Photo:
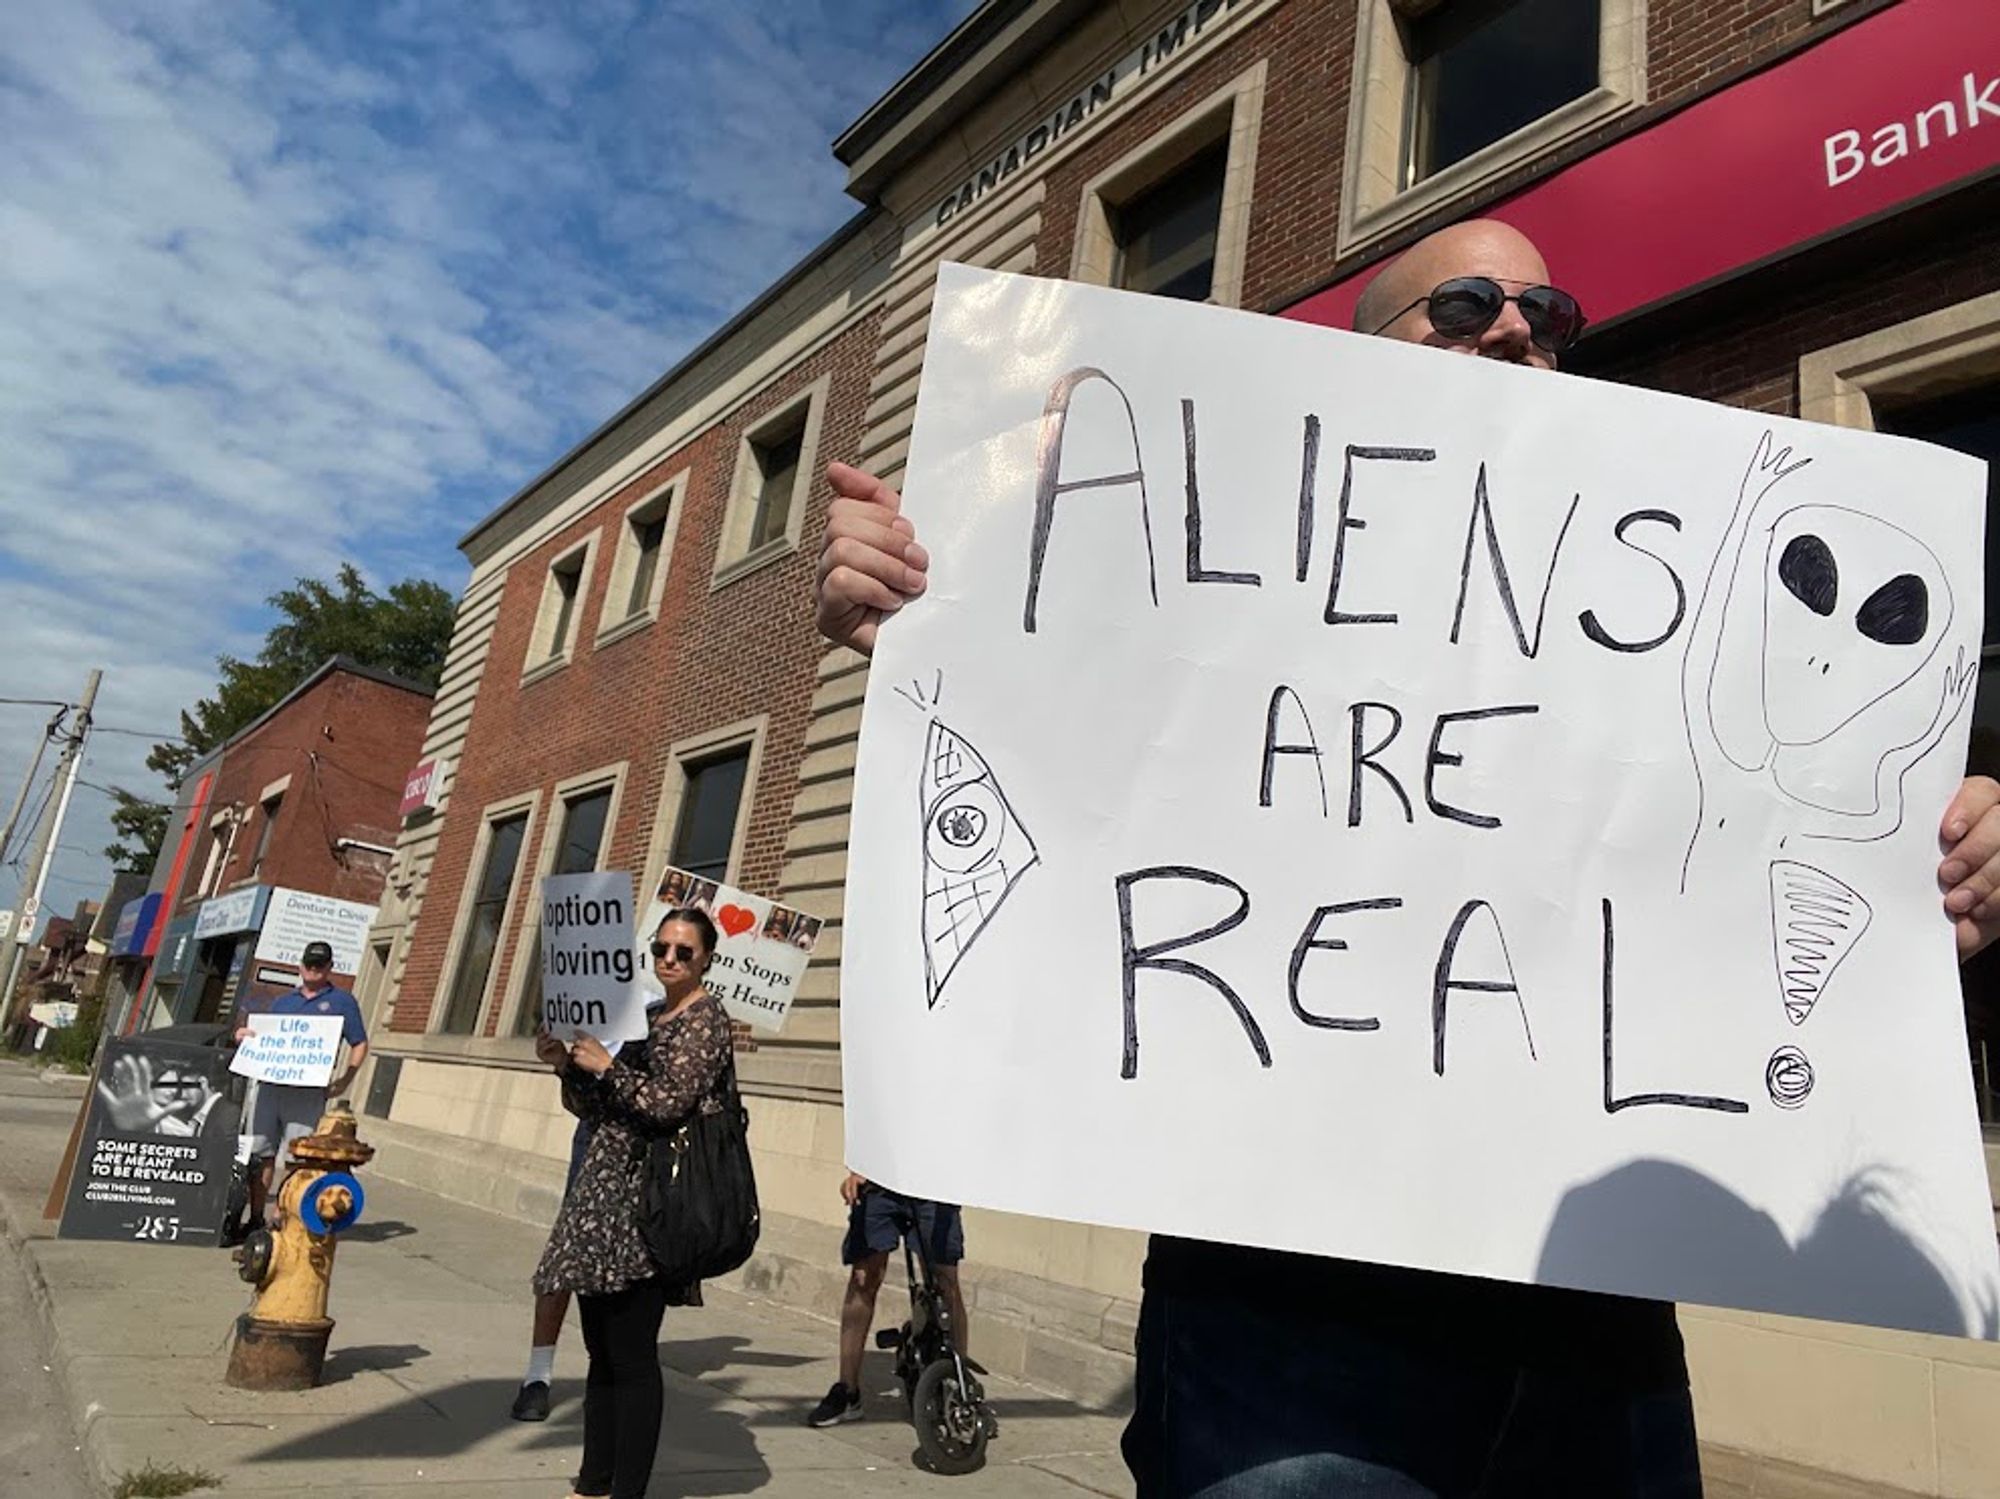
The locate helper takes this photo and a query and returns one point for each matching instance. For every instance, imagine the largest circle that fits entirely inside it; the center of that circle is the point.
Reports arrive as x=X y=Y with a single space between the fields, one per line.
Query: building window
x=1545 y=50
x=218 y=856
x=1937 y=377
x=562 y=601
x=488 y=914
x=767 y=498
x=564 y=579
x=578 y=843
x=1166 y=235
x=270 y=811
x=1449 y=95
x=1969 y=421
x=777 y=460
x=705 y=831
x=645 y=552
x=1172 y=216
x=648 y=533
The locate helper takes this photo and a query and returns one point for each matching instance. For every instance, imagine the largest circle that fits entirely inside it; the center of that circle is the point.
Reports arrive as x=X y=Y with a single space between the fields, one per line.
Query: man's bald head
x=1476 y=247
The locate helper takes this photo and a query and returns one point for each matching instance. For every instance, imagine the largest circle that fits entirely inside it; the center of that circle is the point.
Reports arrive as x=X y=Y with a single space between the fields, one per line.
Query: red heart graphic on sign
x=734 y=920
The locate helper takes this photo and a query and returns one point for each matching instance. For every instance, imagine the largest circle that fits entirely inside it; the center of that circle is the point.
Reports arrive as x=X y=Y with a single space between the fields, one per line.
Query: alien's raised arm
x=1961 y=679
x=1699 y=664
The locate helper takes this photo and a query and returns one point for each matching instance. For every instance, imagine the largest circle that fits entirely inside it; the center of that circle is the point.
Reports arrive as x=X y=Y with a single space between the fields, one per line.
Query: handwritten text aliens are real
x=1370 y=729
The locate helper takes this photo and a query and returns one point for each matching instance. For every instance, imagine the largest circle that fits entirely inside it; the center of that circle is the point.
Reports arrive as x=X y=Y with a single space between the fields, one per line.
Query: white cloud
x=286 y=285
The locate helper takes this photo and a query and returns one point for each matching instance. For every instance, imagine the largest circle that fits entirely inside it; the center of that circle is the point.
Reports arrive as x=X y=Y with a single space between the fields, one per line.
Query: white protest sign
x=296 y=917
x=296 y=1050
x=1340 y=796
x=589 y=979
x=761 y=947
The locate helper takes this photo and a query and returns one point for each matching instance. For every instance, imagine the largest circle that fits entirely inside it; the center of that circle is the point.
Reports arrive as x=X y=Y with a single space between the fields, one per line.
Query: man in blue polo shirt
x=284 y=1113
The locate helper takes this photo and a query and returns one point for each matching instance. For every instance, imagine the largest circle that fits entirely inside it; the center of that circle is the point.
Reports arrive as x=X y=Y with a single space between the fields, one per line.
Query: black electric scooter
x=941 y=1385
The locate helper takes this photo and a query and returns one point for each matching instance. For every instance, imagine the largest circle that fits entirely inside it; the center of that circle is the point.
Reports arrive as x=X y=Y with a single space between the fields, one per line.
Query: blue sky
x=292 y=283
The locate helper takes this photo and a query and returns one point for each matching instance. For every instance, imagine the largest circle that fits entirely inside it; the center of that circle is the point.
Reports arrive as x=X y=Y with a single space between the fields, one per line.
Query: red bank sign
x=1880 y=113
x=421 y=789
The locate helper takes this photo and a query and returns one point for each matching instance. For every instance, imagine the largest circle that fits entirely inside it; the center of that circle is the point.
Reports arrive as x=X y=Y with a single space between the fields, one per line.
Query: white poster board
x=590 y=979
x=296 y=1050
x=296 y=917
x=1344 y=797
x=761 y=947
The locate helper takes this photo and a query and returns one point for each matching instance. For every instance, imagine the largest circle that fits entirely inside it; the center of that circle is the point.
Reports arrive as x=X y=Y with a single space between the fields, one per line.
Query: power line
x=33 y=702
x=36 y=820
x=119 y=791
x=137 y=733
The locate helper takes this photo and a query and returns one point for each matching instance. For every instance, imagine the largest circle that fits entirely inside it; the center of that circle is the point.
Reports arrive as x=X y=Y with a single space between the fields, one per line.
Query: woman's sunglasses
x=1466 y=306
x=682 y=952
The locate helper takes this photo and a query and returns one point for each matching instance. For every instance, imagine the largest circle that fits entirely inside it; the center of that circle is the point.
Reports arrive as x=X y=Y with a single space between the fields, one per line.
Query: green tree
x=405 y=630
x=141 y=827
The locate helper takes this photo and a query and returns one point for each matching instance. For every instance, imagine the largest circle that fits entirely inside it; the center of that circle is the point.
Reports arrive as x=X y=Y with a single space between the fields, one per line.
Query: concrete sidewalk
x=432 y=1304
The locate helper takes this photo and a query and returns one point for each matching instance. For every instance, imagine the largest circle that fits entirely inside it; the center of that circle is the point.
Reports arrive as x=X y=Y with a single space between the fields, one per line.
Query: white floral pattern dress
x=654 y=1085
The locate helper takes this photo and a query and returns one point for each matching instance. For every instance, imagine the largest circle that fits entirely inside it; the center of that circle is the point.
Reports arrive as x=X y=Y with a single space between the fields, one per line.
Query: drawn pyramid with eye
x=1816 y=920
x=975 y=852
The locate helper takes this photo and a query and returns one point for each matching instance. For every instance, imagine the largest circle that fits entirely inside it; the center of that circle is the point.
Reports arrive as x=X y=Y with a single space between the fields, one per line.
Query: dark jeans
x=623 y=1391
x=1239 y=1401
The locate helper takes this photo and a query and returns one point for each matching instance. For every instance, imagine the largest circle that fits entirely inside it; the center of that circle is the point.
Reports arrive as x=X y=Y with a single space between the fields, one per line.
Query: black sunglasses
x=681 y=951
x=1466 y=306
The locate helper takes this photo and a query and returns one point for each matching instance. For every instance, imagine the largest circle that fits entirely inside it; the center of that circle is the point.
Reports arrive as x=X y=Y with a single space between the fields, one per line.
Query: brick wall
x=1309 y=46
x=345 y=743
x=711 y=658
x=1741 y=344
x=1688 y=42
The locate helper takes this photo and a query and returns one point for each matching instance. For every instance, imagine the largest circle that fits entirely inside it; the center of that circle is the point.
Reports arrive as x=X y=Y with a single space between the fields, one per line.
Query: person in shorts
x=872 y=1236
x=282 y=1113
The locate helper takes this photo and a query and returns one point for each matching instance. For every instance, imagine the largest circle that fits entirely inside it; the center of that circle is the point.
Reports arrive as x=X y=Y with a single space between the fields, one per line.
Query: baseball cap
x=317 y=955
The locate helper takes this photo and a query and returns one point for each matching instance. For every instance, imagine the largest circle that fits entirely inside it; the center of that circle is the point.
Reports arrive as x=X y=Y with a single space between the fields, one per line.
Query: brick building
x=290 y=824
x=634 y=679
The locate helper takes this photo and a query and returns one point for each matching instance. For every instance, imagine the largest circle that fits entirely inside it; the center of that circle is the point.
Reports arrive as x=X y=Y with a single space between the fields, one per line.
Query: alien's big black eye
x=1897 y=613
x=1809 y=573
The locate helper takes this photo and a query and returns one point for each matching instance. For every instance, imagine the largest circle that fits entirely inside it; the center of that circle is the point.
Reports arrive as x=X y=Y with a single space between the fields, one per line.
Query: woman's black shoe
x=532 y=1404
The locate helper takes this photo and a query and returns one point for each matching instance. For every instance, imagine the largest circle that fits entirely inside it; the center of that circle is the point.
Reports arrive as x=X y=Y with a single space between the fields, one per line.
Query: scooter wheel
x=951 y=1429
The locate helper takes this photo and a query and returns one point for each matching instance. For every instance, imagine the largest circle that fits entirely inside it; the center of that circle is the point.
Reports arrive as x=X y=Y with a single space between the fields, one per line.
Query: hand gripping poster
x=1346 y=798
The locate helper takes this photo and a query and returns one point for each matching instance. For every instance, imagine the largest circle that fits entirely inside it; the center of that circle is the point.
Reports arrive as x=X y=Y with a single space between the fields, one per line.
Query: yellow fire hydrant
x=281 y=1341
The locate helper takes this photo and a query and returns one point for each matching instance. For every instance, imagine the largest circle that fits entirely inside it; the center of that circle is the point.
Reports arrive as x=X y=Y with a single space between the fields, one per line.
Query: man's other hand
x=870 y=563
x=850 y=1190
x=1969 y=874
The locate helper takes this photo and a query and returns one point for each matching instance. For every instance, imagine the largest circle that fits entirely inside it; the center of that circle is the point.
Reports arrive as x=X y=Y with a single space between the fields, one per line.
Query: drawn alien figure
x=1815 y=678
x=975 y=850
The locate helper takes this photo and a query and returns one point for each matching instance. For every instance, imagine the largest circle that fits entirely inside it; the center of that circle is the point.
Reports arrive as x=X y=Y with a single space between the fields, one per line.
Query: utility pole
x=28 y=781
x=46 y=834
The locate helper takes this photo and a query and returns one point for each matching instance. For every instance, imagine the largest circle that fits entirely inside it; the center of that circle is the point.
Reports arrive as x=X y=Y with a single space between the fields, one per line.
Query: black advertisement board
x=158 y=1146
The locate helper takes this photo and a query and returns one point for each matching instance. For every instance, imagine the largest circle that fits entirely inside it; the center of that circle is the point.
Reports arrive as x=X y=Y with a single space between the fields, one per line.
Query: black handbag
x=699 y=1214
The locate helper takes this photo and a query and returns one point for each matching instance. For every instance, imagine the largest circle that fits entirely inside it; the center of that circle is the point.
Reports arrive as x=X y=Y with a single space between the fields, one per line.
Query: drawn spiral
x=1788 y=1077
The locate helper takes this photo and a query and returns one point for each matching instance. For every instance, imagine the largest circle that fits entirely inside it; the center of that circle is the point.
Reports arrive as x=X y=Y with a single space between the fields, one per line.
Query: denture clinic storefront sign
x=1420 y=810
x=296 y=917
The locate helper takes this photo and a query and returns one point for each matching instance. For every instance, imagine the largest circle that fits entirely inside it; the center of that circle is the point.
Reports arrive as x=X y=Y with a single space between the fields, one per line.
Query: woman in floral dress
x=596 y=1250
